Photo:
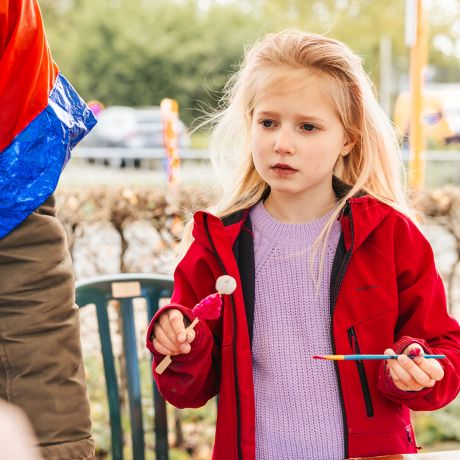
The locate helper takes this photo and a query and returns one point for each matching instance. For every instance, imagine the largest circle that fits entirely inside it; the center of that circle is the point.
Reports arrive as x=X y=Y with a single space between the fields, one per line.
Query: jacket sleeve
x=192 y=379
x=422 y=319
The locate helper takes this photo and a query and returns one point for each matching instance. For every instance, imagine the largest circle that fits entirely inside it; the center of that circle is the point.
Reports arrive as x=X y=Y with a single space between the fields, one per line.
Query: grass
x=439 y=427
x=198 y=424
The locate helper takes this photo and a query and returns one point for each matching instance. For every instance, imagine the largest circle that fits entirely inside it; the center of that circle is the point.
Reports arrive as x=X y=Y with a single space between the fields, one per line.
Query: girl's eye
x=308 y=127
x=267 y=123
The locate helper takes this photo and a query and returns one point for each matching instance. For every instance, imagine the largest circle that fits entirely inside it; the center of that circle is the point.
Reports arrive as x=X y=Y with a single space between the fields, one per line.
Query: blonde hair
x=373 y=166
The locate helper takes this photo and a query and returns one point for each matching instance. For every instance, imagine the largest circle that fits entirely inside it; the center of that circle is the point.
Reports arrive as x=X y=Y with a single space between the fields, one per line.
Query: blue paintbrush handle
x=369 y=357
x=363 y=357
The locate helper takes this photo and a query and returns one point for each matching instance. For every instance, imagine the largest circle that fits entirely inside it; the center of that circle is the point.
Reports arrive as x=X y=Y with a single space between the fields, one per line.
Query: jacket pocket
x=353 y=339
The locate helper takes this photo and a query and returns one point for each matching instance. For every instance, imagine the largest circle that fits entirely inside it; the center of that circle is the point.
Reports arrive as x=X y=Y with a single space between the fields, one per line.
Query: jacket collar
x=360 y=217
x=224 y=231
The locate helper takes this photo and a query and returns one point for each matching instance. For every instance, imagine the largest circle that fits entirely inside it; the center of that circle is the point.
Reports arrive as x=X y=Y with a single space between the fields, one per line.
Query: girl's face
x=297 y=138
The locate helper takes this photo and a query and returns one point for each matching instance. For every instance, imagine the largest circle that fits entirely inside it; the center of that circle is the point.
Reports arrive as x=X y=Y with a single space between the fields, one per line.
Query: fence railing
x=158 y=153
x=132 y=153
x=442 y=167
x=437 y=155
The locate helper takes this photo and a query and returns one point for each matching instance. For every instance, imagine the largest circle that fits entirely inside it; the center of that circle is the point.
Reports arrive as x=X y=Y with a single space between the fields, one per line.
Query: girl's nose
x=284 y=144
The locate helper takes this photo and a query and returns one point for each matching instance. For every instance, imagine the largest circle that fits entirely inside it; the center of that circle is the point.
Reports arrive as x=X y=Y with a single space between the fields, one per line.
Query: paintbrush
x=370 y=357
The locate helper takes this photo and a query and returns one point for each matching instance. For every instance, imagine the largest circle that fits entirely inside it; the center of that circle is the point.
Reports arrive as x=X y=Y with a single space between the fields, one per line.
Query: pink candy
x=415 y=352
x=209 y=307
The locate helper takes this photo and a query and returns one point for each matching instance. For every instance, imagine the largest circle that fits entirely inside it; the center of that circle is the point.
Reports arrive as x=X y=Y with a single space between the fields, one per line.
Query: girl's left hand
x=414 y=374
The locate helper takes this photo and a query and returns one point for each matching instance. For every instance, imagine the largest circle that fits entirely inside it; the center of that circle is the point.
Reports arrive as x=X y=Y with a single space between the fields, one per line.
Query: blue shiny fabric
x=31 y=165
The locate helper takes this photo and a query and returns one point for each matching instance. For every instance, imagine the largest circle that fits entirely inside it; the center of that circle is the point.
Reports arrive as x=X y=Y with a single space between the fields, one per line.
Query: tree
x=137 y=52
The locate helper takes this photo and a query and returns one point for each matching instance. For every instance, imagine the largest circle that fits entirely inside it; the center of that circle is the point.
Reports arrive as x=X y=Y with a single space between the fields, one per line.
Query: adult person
x=42 y=118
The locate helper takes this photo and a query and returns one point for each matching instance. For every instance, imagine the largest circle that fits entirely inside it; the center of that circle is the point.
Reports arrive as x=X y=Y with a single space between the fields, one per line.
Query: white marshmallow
x=225 y=284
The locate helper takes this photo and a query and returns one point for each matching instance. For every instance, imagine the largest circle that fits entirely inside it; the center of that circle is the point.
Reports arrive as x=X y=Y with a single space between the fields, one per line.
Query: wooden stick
x=191 y=326
x=166 y=361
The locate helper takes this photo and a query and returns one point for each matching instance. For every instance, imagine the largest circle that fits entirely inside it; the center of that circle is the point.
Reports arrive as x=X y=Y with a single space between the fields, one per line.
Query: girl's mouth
x=283 y=169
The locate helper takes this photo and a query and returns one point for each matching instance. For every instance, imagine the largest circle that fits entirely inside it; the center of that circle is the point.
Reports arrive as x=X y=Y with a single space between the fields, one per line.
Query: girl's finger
x=415 y=372
x=190 y=335
x=165 y=323
x=414 y=349
x=162 y=349
x=431 y=367
x=401 y=378
x=176 y=319
x=165 y=340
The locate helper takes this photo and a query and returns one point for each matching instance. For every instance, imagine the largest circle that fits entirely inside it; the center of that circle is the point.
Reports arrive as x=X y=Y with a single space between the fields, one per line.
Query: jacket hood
x=360 y=218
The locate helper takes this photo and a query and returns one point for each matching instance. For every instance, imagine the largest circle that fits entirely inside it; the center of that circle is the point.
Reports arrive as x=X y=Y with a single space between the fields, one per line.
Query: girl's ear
x=347 y=147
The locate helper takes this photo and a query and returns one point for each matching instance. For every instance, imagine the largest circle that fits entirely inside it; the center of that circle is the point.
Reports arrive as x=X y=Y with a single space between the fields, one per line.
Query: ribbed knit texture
x=298 y=408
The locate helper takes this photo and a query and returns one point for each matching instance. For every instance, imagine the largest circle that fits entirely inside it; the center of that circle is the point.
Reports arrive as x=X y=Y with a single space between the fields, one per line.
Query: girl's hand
x=170 y=337
x=414 y=374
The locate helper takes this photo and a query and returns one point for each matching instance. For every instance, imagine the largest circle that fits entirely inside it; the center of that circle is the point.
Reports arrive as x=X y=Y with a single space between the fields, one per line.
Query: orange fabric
x=27 y=71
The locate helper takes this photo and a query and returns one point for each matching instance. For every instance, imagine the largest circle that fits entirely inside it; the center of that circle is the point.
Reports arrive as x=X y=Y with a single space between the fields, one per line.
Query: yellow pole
x=418 y=60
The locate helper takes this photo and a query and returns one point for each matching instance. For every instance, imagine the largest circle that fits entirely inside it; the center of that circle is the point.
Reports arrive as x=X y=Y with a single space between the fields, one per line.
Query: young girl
x=315 y=229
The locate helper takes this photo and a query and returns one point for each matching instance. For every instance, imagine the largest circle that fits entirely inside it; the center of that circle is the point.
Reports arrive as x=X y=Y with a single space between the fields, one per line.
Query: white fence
x=442 y=167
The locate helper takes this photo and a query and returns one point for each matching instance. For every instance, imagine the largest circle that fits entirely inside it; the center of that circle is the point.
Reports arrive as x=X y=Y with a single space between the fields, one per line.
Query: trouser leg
x=41 y=367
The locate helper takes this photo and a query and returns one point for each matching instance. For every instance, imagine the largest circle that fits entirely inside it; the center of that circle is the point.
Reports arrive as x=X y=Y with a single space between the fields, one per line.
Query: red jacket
x=385 y=292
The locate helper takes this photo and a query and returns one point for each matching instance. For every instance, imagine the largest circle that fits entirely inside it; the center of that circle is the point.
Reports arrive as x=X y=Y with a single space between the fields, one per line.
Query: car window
x=115 y=118
x=148 y=117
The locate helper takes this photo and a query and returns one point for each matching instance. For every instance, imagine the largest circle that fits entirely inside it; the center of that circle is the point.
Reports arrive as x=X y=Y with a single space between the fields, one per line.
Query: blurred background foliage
x=136 y=52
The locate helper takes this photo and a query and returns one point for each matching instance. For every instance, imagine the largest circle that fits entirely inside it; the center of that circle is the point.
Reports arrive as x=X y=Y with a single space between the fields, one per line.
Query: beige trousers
x=41 y=368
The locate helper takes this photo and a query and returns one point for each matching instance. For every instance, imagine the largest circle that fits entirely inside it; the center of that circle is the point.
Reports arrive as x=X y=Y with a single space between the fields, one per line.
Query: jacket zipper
x=235 y=370
x=335 y=288
x=353 y=339
x=410 y=440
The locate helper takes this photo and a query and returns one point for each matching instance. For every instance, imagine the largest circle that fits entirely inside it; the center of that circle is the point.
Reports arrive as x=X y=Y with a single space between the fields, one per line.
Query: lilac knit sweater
x=298 y=413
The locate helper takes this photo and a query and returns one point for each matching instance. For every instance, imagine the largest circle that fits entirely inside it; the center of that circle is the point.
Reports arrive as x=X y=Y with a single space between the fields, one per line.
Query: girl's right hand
x=170 y=335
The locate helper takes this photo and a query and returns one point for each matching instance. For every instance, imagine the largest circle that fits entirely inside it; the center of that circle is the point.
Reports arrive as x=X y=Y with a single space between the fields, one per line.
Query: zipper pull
x=352 y=340
x=409 y=438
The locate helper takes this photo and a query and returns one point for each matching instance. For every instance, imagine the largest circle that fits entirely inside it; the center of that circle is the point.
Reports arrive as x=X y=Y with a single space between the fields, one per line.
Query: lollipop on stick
x=208 y=308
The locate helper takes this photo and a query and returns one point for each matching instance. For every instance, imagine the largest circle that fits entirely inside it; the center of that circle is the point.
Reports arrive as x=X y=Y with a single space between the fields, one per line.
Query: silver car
x=130 y=127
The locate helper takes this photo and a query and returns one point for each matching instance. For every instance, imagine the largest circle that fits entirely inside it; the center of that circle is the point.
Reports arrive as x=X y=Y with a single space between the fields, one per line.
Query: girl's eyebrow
x=296 y=116
x=266 y=114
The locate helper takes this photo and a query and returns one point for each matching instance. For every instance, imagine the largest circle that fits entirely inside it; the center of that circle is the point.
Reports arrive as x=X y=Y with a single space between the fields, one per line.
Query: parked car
x=132 y=128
